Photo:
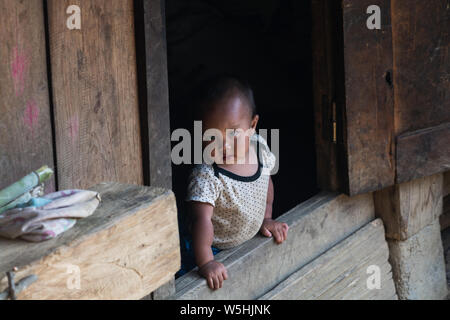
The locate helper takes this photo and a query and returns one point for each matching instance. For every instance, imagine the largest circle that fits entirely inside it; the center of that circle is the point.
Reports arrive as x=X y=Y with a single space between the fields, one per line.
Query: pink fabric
x=48 y=221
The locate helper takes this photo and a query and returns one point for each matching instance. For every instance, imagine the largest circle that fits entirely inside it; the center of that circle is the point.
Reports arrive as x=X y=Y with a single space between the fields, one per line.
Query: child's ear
x=254 y=123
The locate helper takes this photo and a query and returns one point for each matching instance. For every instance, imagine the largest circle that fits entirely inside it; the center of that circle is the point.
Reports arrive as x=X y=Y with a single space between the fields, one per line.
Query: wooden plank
x=330 y=172
x=422 y=88
x=95 y=94
x=423 y=153
x=259 y=264
x=421 y=44
x=25 y=125
x=352 y=69
x=408 y=207
x=126 y=249
x=367 y=97
x=157 y=94
x=341 y=272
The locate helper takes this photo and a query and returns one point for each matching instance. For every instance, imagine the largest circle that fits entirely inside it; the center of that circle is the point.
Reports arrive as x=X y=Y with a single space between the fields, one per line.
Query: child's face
x=232 y=117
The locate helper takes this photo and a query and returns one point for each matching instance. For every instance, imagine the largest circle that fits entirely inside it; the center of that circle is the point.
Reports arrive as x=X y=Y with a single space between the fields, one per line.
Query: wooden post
x=154 y=103
x=410 y=212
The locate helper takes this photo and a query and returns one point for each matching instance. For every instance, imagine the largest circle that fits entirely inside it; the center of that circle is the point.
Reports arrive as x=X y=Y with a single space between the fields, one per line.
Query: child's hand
x=214 y=272
x=277 y=229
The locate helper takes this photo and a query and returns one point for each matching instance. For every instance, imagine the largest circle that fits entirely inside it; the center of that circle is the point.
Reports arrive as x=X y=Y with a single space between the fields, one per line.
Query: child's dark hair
x=215 y=88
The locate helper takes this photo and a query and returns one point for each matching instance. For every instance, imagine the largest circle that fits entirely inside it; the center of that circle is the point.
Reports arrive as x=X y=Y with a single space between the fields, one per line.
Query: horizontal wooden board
x=423 y=152
x=341 y=272
x=259 y=264
x=125 y=250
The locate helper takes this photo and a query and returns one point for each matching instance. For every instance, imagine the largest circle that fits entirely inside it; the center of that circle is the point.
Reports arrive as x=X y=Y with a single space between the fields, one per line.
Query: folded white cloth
x=47 y=217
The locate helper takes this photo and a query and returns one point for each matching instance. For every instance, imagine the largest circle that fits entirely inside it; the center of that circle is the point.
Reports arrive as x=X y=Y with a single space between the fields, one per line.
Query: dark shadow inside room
x=267 y=42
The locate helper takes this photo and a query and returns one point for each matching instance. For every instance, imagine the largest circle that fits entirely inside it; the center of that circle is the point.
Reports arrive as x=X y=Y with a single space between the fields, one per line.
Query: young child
x=231 y=200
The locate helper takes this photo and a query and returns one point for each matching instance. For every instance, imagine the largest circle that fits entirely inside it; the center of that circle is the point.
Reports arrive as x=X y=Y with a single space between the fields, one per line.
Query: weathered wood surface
x=353 y=69
x=369 y=99
x=341 y=272
x=25 y=126
x=423 y=153
x=421 y=44
x=125 y=250
x=158 y=118
x=95 y=94
x=259 y=264
x=408 y=207
x=330 y=174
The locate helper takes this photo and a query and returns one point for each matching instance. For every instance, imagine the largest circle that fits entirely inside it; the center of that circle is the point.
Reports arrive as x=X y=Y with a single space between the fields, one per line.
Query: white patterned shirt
x=239 y=201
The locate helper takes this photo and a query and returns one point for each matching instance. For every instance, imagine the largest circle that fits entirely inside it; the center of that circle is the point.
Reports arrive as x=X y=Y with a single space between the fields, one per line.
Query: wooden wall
x=82 y=85
x=95 y=94
x=25 y=126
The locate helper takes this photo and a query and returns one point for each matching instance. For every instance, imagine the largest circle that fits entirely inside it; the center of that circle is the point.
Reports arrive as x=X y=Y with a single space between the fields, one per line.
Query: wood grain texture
x=157 y=94
x=95 y=94
x=341 y=272
x=421 y=45
x=423 y=153
x=258 y=265
x=125 y=250
x=352 y=68
x=368 y=98
x=330 y=173
x=444 y=219
x=25 y=125
x=409 y=207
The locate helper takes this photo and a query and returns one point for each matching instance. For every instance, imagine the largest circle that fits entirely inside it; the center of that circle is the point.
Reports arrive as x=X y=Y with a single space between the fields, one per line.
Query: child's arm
x=271 y=227
x=202 y=239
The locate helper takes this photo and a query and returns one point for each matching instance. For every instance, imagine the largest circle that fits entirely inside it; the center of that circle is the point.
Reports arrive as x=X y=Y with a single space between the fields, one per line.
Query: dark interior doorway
x=268 y=42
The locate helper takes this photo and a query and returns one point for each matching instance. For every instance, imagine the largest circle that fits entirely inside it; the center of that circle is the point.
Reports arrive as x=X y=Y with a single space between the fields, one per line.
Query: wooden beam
x=423 y=153
x=341 y=272
x=126 y=249
x=258 y=265
x=95 y=94
x=25 y=123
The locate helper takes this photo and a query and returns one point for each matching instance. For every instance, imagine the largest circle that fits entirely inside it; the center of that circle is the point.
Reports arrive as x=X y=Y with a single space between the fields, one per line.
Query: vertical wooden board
x=25 y=125
x=160 y=169
x=421 y=45
x=95 y=93
x=368 y=97
x=324 y=46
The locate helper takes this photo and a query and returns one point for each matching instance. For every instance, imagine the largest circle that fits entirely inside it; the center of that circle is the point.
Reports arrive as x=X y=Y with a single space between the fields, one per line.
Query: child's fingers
x=220 y=279
x=216 y=282
x=266 y=232
x=225 y=274
x=278 y=235
x=210 y=282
